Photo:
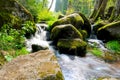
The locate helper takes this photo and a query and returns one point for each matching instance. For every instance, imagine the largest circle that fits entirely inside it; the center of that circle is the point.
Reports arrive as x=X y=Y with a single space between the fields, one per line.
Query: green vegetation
x=12 y=41
x=97 y=52
x=113 y=46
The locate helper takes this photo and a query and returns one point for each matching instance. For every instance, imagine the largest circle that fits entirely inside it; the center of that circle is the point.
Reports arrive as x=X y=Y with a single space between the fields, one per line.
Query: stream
x=74 y=67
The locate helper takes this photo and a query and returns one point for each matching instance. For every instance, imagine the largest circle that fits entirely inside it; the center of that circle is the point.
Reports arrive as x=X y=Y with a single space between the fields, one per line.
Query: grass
x=113 y=46
x=97 y=52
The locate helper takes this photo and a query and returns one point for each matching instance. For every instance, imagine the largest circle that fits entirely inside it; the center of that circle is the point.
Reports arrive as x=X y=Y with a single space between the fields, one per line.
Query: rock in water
x=41 y=65
x=66 y=31
x=36 y=47
x=109 y=32
x=72 y=47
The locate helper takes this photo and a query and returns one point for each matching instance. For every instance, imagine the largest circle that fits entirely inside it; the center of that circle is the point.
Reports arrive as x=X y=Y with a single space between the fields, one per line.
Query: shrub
x=12 y=41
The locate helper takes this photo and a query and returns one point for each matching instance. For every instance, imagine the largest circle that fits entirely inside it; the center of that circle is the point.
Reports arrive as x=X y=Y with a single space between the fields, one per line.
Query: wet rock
x=98 y=25
x=36 y=47
x=13 y=12
x=87 y=25
x=66 y=31
x=74 y=19
x=72 y=47
x=41 y=65
x=109 y=32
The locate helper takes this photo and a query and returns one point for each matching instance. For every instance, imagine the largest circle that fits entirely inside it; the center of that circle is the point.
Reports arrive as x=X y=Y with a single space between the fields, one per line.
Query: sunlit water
x=73 y=67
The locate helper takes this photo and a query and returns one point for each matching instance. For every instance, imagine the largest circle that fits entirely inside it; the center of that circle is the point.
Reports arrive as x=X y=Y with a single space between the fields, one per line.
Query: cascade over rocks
x=109 y=32
x=72 y=46
x=41 y=65
x=13 y=12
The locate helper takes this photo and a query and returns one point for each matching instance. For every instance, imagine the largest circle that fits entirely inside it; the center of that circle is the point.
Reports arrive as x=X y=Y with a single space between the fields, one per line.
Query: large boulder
x=98 y=25
x=13 y=12
x=87 y=25
x=109 y=32
x=41 y=65
x=72 y=47
x=74 y=19
x=66 y=31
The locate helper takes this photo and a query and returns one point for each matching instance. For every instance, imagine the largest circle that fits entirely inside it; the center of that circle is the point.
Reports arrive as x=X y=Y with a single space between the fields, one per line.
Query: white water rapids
x=73 y=67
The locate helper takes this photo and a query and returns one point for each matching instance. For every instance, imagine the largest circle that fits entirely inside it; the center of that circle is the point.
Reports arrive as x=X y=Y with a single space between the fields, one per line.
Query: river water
x=74 y=67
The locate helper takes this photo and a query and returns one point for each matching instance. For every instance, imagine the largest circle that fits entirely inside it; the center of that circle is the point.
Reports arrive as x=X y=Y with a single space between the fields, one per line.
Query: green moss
x=2 y=59
x=59 y=76
x=72 y=46
x=74 y=19
x=98 y=25
x=6 y=18
x=65 y=32
x=87 y=25
x=110 y=25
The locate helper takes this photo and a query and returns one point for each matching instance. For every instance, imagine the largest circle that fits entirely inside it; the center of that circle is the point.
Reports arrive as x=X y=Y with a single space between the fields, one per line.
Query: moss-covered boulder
x=87 y=25
x=13 y=12
x=109 y=32
x=98 y=25
x=41 y=65
x=66 y=31
x=72 y=47
x=74 y=19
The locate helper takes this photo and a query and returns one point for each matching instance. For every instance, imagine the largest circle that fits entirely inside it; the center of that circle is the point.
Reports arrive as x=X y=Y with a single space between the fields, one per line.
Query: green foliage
x=97 y=52
x=34 y=6
x=46 y=15
x=113 y=46
x=28 y=27
x=12 y=41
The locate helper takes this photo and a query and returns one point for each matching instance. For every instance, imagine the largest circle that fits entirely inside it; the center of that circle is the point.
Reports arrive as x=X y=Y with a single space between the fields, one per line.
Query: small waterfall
x=94 y=42
x=39 y=38
x=74 y=67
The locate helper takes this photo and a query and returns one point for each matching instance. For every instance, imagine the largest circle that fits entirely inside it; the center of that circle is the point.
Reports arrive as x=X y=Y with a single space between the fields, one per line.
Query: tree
x=106 y=9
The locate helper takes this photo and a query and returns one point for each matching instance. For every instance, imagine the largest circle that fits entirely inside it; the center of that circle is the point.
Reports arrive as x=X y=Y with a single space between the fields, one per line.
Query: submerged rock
x=41 y=65
x=66 y=31
x=72 y=47
x=109 y=32
x=36 y=47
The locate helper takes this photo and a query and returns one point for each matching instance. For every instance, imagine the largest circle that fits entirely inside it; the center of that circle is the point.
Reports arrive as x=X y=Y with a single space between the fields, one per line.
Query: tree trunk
x=50 y=5
x=101 y=10
x=115 y=16
x=96 y=7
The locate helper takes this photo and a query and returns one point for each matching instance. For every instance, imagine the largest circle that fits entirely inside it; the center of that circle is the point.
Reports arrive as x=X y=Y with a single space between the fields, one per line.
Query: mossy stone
x=98 y=25
x=72 y=47
x=109 y=32
x=74 y=19
x=66 y=31
x=14 y=13
x=87 y=25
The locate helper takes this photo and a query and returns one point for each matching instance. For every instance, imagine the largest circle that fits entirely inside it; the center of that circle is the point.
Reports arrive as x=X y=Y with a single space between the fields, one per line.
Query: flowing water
x=73 y=67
